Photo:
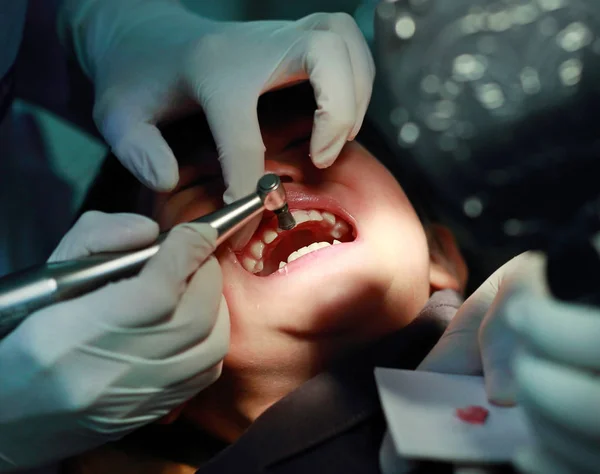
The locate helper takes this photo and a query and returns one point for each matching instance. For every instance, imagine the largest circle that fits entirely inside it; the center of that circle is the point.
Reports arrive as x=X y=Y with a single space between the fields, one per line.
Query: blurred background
x=46 y=165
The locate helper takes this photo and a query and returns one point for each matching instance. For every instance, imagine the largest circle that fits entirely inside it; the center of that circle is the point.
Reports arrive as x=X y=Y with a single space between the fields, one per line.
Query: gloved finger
x=361 y=60
x=498 y=346
x=136 y=141
x=113 y=412
x=146 y=300
x=124 y=409
x=171 y=398
x=326 y=61
x=538 y=460
x=190 y=322
x=478 y=339
x=458 y=352
x=233 y=121
x=184 y=250
x=564 y=332
x=390 y=462
x=96 y=232
x=498 y=343
x=564 y=395
x=578 y=452
x=144 y=152
x=185 y=366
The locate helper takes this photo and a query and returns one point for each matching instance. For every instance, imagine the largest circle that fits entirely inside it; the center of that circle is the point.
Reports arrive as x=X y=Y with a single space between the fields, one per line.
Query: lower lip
x=311 y=258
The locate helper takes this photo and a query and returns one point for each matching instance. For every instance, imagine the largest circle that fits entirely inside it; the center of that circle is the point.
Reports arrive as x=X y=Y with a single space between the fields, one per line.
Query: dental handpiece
x=32 y=289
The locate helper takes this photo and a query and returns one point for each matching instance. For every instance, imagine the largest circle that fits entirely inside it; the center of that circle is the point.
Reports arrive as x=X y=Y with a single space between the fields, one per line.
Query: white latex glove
x=557 y=372
x=80 y=373
x=152 y=60
x=479 y=340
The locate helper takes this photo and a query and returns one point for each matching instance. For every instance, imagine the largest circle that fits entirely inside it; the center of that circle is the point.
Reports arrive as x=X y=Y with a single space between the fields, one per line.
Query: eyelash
x=202 y=181
x=205 y=180
x=297 y=143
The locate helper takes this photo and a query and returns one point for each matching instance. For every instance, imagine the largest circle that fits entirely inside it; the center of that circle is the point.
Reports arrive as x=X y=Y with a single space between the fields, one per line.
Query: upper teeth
x=269 y=236
x=252 y=260
x=304 y=250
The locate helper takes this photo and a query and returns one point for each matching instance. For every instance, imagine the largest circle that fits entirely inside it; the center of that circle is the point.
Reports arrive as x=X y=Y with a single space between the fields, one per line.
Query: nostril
x=287 y=172
x=286 y=178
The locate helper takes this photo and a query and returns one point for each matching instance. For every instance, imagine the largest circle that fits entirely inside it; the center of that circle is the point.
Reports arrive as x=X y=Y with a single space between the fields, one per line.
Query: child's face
x=296 y=318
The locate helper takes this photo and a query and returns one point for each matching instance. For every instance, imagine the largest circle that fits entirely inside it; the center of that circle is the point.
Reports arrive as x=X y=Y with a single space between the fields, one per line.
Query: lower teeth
x=306 y=250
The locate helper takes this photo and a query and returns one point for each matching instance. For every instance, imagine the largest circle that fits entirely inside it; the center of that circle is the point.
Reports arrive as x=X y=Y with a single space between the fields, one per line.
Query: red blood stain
x=474 y=415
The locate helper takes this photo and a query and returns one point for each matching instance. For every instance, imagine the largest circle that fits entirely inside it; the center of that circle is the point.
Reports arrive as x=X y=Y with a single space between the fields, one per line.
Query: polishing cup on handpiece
x=271 y=190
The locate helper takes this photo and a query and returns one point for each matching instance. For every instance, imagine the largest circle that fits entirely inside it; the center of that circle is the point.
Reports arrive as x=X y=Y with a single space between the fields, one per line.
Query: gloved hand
x=557 y=374
x=538 y=351
x=479 y=340
x=152 y=60
x=86 y=371
x=534 y=349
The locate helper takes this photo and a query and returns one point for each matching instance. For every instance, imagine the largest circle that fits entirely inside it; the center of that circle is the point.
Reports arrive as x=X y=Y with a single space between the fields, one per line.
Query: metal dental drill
x=27 y=291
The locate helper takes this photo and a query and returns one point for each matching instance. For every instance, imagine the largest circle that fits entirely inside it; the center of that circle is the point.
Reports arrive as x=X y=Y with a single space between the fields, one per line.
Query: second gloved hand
x=479 y=341
x=152 y=60
x=557 y=374
x=86 y=371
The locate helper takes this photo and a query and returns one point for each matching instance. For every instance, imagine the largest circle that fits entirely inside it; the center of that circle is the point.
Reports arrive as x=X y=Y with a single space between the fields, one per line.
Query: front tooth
x=308 y=249
x=339 y=229
x=300 y=216
x=315 y=216
x=249 y=264
x=282 y=264
x=269 y=236
x=335 y=242
x=293 y=256
x=314 y=246
x=328 y=217
x=257 y=249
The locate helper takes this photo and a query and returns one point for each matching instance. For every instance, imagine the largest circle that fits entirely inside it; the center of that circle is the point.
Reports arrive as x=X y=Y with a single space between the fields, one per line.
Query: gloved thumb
x=135 y=141
x=457 y=352
x=233 y=121
x=96 y=232
x=498 y=344
x=497 y=340
x=145 y=153
x=478 y=340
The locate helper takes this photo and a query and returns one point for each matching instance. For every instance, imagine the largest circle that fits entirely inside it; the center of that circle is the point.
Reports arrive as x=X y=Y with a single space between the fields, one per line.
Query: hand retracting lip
x=23 y=293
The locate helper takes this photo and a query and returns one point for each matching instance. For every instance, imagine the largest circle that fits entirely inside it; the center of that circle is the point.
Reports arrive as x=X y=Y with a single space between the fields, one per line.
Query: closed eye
x=300 y=142
x=203 y=180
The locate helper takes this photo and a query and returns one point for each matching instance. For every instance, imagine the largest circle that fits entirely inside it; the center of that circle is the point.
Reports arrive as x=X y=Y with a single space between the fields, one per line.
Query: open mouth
x=271 y=248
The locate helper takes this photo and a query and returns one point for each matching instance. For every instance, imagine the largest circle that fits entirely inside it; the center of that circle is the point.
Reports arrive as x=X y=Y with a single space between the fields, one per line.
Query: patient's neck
x=227 y=408
x=252 y=381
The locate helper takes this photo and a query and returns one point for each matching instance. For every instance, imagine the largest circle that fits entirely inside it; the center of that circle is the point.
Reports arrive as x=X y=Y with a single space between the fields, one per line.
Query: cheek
x=186 y=206
x=392 y=230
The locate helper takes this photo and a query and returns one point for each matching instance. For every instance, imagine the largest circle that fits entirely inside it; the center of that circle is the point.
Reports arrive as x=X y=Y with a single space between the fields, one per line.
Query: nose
x=287 y=172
